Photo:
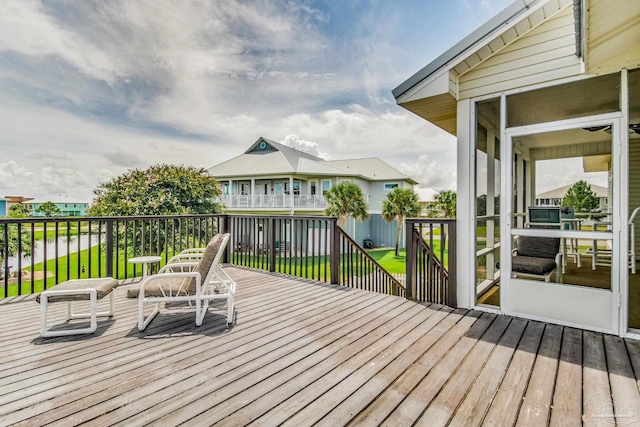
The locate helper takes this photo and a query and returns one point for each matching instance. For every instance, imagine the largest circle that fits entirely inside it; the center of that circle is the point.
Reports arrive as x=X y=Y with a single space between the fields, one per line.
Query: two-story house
x=67 y=206
x=272 y=178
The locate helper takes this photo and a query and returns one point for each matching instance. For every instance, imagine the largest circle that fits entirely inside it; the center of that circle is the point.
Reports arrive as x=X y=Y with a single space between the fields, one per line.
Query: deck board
x=303 y=352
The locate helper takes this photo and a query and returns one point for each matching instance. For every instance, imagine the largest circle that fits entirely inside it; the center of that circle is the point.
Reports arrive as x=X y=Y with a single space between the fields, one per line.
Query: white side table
x=145 y=260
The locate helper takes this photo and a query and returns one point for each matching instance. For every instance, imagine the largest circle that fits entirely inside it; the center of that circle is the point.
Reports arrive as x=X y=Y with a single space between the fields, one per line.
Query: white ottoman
x=77 y=290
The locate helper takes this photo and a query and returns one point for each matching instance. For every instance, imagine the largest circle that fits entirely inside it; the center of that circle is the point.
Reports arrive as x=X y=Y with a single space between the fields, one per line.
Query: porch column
x=465 y=240
x=231 y=197
x=291 y=192
x=253 y=192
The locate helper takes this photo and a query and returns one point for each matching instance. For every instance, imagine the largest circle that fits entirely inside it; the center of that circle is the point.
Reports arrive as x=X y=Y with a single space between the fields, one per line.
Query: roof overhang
x=432 y=92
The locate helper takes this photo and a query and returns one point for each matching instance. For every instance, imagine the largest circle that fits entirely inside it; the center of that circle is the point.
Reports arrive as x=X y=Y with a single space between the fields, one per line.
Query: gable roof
x=449 y=57
x=279 y=159
x=559 y=193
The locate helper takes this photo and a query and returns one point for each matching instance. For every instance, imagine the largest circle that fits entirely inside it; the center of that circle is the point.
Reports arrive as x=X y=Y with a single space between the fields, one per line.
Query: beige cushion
x=155 y=287
x=172 y=286
x=204 y=265
x=102 y=286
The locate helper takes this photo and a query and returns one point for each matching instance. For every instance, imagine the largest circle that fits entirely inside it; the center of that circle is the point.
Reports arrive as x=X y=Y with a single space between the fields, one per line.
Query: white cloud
x=304 y=146
x=91 y=88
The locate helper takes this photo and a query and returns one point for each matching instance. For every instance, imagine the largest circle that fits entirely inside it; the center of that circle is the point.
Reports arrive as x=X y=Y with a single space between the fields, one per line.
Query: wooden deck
x=304 y=353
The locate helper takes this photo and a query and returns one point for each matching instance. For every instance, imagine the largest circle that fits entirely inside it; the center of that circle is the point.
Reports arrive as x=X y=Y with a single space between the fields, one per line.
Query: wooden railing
x=307 y=246
x=60 y=249
x=37 y=253
x=312 y=247
x=431 y=260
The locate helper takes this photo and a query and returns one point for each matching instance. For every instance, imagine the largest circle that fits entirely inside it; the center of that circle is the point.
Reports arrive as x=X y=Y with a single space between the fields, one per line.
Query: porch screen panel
x=487 y=209
x=572 y=166
x=583 y=98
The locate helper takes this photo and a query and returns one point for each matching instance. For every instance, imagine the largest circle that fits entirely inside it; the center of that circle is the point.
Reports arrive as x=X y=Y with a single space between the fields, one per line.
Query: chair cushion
x=102 y=286
x=538 y=247
x=532 y=265
x=171 y=286
x=204 y=265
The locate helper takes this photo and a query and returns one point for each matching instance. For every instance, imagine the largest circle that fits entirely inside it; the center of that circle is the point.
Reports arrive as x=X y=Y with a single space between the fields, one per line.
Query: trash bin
x=367 y=244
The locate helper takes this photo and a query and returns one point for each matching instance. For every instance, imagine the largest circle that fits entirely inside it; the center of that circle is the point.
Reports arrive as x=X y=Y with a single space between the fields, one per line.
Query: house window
x=326 y=185
x=390 y=186
x=244 y=189
x=312 y=188
x=278 y=187
x=296 y=188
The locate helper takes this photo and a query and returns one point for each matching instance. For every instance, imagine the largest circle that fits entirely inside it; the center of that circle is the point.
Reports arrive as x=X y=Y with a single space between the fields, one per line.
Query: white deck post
x=465 y=241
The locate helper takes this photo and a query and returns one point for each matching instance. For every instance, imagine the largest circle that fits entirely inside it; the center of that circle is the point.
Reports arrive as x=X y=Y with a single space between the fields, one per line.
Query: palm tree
x=344 y=200
x=444 y=205
x=399 y=204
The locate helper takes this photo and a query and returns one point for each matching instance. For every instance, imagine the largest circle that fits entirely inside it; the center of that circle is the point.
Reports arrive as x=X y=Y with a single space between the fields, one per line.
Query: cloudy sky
x=93 y=88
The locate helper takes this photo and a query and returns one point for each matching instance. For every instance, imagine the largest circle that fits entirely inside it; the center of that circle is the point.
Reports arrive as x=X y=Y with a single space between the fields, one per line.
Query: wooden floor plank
x=567 y=401
x=350 y=375
x=303 y=351
x=443 y=407
x=473 y=408
x=380 y=408
x=624 y=390
x=504 y=407
x=193 y=383
x=325 y=371
x=596 y=395
x=358 y=401
x=271 y=377
x=150 y=377
x=412 y=406
x=122 y=360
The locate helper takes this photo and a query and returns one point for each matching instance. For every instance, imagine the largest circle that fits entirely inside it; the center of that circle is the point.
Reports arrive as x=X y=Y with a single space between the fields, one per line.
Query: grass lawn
x=397 y=264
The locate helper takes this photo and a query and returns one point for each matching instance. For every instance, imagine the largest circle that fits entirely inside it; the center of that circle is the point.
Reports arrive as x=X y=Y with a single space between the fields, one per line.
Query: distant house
x=554 y=197
x=67 y=205
x=272 y=178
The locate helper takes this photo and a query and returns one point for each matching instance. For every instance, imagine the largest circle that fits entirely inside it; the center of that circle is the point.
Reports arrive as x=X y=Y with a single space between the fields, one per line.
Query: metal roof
x=284 y=160
x=501 y=19
x=559 y=193
x=372 y=168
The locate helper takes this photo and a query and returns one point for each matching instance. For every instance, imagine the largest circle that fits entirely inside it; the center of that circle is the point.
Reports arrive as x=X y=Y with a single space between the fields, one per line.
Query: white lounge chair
x=191 y=282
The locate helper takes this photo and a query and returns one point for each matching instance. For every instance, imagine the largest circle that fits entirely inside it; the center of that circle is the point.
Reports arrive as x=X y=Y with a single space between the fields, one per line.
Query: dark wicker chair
x=537 y=257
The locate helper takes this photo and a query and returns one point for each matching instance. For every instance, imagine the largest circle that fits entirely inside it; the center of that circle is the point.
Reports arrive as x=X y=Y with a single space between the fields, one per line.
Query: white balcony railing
x=275 y=201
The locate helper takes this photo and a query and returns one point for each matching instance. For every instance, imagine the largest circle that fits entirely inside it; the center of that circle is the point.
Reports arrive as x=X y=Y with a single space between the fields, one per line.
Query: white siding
x=613 y=35
x=545 y=53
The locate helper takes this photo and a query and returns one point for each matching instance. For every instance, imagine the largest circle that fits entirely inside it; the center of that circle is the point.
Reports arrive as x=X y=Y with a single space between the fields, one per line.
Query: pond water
x=39 y=249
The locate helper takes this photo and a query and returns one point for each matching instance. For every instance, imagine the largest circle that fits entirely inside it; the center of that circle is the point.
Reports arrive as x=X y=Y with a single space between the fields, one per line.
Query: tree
x=49 y=209
x=18 y=211
x=160 y=190
x=444 y=205
x=399 y=204
x=344 y=200
x=581 y=198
